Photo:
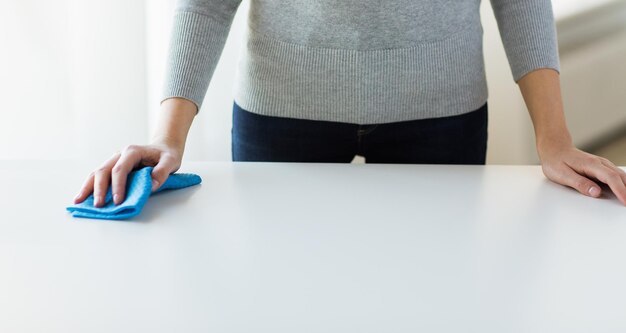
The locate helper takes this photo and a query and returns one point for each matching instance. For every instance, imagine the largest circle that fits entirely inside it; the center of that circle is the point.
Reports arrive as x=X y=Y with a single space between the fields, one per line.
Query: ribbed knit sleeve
x=199 y=32
x=528 y=33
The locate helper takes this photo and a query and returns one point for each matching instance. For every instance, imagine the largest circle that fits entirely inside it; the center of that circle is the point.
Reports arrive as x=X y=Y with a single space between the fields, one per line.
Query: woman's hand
x=561 y=161
x=566 y=165
x=163 y=156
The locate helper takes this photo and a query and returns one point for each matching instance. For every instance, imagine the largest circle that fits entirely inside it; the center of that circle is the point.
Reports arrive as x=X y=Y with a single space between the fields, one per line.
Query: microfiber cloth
x=138 y=189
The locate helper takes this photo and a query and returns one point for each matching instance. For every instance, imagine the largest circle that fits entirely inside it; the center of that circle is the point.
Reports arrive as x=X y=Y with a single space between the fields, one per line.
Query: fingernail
x=116 y=198
x=96 y=201
x=155 y=184
x=77 y=195
x=594 y=191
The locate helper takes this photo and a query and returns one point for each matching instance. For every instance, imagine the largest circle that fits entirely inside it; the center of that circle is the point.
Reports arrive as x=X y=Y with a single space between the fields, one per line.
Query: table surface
x=269 y=247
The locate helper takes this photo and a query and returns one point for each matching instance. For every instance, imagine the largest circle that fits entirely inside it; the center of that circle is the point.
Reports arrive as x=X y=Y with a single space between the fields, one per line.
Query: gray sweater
x=356 y=61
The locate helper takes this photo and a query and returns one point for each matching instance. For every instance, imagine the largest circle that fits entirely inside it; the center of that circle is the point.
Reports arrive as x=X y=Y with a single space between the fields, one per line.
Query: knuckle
x=117 y=169
x=166 y=160
x=614 y=176
x=582 y=184
x=99 y=188
x=130 y=148
x=595 y=161
x=101 y=170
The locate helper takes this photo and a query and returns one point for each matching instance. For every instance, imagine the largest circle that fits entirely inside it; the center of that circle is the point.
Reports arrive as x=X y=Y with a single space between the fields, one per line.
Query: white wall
x=107 y=69
x=73 y=78
x=593 y=53
x=34 y=95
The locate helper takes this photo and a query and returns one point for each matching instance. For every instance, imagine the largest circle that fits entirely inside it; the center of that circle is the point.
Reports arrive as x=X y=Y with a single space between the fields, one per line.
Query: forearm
x=174 y=121
x=541 y=90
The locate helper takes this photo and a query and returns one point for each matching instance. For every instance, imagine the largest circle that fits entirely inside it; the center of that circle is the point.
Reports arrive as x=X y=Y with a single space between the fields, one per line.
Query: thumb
x=161 y=172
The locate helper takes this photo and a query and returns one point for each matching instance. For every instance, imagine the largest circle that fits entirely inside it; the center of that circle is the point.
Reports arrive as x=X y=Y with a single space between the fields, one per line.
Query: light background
x=80 y=79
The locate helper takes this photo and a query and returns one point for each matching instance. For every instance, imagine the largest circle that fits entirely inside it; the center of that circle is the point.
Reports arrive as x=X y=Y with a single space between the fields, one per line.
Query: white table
x=315 y=248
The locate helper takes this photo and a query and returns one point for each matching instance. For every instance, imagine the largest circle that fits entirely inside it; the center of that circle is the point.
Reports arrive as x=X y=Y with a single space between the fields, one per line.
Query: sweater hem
x=435 y=79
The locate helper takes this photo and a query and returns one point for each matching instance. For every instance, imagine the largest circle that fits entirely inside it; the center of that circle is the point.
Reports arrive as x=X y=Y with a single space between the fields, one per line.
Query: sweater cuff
x=195 y=47
x=528 y=34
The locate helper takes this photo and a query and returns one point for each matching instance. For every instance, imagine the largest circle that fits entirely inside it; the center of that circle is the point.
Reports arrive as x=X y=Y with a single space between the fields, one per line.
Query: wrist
x=175 y=119
x=549 y=144
x=170 y=141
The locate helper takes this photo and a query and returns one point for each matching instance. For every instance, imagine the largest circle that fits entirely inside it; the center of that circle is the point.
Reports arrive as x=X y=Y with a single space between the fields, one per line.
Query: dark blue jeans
x=458 y=139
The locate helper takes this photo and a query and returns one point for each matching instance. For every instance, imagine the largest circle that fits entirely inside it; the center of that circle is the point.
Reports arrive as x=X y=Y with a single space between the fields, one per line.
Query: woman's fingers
x=130 y=157
x=622 y=174
x=616 y=182
x=167 y=165
x=583 y=171
x=102 y=177
x=610 y=165
x=89 y=184
x=86 y=189
x=608 y=175
x=115 y=170
x=584 y=185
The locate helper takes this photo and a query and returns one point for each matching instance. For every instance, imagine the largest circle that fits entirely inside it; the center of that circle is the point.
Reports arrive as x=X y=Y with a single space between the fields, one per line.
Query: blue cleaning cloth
x=138 y=189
